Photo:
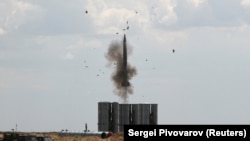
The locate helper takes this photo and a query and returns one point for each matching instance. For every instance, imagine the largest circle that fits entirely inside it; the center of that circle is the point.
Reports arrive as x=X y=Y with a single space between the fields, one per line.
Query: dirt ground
x=115 y=137
x=56 y=137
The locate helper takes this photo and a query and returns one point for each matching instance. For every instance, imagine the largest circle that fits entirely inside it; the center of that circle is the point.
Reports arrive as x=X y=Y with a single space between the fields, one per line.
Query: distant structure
x=112 y=116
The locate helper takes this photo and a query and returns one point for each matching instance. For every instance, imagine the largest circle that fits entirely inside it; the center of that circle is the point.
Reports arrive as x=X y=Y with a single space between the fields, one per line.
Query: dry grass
x=56 y=137
x=115 y=137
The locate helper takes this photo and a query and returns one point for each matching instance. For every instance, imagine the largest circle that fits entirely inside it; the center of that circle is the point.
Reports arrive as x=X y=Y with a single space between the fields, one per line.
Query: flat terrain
x=115 y=137
x=56 y=137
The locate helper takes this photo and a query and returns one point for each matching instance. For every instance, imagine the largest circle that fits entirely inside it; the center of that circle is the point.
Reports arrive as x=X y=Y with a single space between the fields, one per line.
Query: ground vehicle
x=15 y=136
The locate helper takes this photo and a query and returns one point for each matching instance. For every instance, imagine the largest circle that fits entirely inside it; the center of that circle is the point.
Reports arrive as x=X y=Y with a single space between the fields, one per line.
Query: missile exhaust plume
x=123 y=71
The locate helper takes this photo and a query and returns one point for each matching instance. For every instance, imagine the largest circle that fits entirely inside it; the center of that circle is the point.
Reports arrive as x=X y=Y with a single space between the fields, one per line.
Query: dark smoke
x=115 y=57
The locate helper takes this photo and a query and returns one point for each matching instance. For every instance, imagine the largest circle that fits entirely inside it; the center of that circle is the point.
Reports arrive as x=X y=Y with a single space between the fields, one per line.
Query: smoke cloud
x=115 y=60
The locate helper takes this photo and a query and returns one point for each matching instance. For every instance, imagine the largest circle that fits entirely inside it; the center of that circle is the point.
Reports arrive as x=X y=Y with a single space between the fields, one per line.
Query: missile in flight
x=125 y=82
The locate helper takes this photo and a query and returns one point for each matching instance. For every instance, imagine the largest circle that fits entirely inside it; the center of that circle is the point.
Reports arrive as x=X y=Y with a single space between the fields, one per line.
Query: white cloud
x=2 y=31
x=196 y=3
x=140 y=14
x=245 y=3
x=243 y=27
x=164 y=12
x=15 y=13
x=212 y=13
x=45 y=61
x=114 y=18
x=69 y=56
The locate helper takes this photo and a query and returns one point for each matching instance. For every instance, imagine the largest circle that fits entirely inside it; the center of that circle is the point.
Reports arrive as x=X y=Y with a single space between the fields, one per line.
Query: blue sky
x=53 y=69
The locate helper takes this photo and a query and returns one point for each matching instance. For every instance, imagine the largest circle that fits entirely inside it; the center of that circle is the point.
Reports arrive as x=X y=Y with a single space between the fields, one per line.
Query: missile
x=125 y=82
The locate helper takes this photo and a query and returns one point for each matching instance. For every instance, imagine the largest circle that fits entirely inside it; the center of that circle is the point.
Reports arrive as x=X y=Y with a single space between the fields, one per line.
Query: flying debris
x=173 y=51
x=127 y=27
x=136 y=12
x=117 y=33
x=86 y=11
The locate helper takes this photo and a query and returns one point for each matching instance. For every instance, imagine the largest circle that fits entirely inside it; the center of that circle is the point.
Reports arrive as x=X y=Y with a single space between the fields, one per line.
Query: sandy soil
x=115 y=137
x=55 y=137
